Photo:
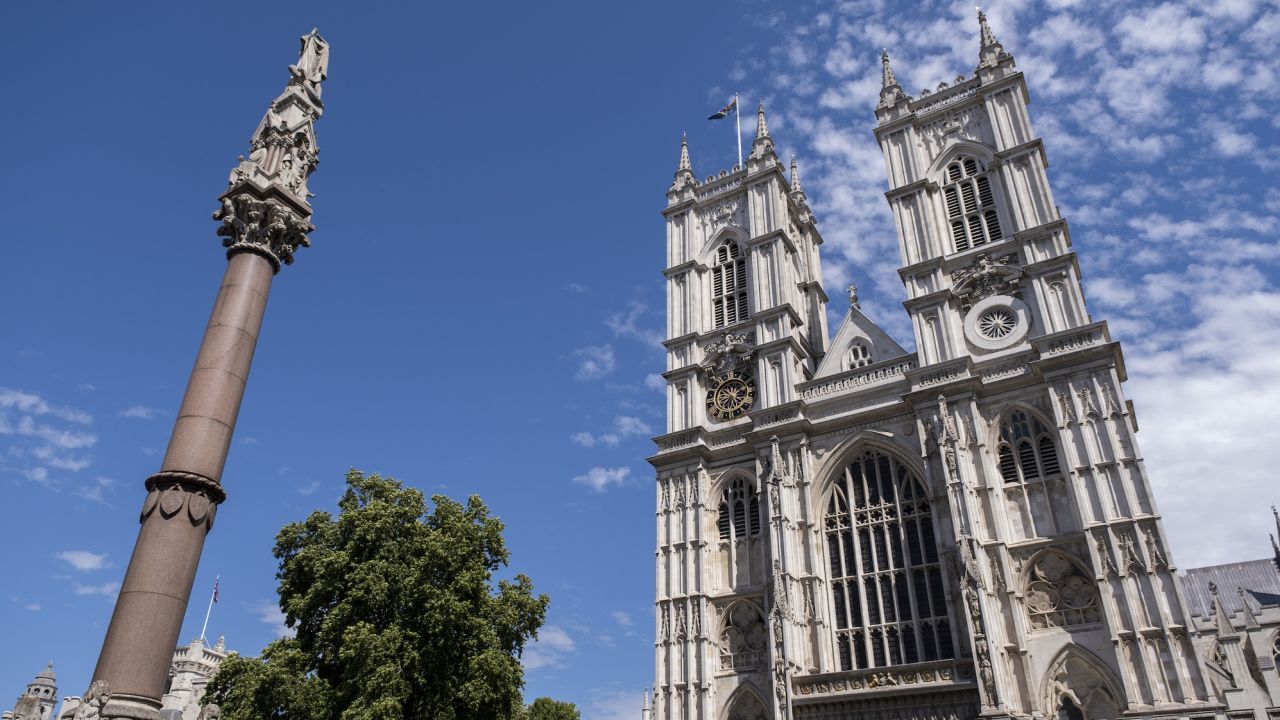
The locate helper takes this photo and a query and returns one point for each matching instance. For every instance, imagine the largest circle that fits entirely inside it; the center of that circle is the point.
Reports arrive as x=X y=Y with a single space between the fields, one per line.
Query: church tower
x=848 y=529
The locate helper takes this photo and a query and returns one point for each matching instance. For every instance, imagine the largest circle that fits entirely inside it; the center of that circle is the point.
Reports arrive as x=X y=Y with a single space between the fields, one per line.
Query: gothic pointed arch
x=743 y=636
x=1079 y=686
x=746 y=703
x=1032 y=473
x=1058 y=591
x=888 y=603
x=739 y=531
x=956 y=149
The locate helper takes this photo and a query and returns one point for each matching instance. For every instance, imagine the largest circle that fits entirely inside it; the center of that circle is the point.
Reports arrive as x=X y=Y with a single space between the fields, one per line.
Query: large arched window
x=744 y=640
x=729 y=285
x=1059 y=594
x=971 y=206
x=741 y=551
x=889 y=602
x=1035 y=487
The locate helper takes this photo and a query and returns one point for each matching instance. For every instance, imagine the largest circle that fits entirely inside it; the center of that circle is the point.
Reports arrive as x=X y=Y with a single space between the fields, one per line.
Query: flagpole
x=209 y=612
x=737 y=118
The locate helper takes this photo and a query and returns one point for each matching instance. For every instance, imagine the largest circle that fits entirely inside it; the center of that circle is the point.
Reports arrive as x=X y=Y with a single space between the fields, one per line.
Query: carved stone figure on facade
x=1132 y=560
x=1158 y=561
x=730 y=352
x=1068 y=409
x=210 y=712
x=986 y=277
x=1086 y=404
x=1104 y=556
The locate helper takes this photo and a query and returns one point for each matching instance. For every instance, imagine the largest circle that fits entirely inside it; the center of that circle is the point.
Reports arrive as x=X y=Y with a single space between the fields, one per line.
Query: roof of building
x=1260 y=580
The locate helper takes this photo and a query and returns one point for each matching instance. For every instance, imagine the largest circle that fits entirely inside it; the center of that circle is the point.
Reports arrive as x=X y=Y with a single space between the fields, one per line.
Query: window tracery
x=744 y=640
x=970 y=204
x=729 y=286
x=1058 y=594
x=859 y=355
x=1035 y=484
x=889 y=603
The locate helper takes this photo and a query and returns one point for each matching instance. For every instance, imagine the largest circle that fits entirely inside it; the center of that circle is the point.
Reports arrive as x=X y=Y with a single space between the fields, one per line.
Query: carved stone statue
x=210 y=712
x=313 y=62
x=94 y=699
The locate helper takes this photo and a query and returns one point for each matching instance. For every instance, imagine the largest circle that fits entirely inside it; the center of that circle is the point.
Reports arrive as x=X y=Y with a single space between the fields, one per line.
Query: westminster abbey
x=850 y=530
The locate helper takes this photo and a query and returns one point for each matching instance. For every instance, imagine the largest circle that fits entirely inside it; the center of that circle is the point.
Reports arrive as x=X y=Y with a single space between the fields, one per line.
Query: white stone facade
x=193 y=666
x=854 y=531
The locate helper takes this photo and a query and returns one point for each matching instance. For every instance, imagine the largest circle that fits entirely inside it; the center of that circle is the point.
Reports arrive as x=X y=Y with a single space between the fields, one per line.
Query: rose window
x=997 y=323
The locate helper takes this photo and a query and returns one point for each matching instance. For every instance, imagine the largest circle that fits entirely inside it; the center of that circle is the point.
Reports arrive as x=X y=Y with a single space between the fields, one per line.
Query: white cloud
x=655 y=381
x=549 y=649
x=308 y=488
x=594 y=361
x=269 y=613
x=626 y=323
x=96 y=490
x=83 y=560
x=623 y=619
x=599 y=479
x=32 y=404
x=140 y=412
x=33 y=607
x=105 y=589
x=624 y=426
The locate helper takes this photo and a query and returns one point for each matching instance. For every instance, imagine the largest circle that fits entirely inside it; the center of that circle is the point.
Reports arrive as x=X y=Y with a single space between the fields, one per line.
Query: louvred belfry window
x=1027 y=450
x=971 y=210
x=889 y=602
x=729 y=286
x=739 y=512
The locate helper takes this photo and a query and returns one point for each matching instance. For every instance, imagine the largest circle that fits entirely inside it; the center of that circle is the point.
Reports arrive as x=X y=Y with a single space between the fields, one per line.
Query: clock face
x=731 y=396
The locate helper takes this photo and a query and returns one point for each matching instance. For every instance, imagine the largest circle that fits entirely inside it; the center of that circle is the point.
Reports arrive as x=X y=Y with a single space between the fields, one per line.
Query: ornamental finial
x=762 y=128
x=887 y=78
x=266 y=209
x=796 y=187
x=990 y=51
x=684 y=154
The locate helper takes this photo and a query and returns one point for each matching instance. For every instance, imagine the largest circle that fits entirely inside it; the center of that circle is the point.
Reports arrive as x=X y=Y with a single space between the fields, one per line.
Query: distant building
x=38 y=701
x=193 y=666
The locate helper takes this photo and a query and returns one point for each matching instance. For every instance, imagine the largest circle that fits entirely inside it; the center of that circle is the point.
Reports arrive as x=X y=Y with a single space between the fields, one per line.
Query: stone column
x=265 y=217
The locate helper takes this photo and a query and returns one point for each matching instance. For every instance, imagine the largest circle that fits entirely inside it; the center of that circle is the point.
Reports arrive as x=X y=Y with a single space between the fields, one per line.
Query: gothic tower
x=853 y=530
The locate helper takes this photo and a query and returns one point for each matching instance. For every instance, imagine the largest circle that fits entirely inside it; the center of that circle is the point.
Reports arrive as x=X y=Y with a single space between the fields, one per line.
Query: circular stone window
x=997 y=322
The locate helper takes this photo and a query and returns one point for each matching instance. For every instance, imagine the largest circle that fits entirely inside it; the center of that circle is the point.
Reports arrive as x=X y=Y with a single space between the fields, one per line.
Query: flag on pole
x=215 y=588
x=732 y=107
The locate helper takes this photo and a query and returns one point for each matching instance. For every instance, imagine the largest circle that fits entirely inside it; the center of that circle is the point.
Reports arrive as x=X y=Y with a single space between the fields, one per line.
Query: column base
x=126 y=707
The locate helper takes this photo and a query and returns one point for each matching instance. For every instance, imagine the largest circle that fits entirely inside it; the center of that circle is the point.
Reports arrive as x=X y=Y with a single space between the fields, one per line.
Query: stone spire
x=1221 y=621
x=890 y=90
x=265 y=216
x=762 y=127
x=762 y=146
x=887 y=78
x=684 y=170
x=796 y=187
x=1250 y=620
x=646 y=711
x=990 y=52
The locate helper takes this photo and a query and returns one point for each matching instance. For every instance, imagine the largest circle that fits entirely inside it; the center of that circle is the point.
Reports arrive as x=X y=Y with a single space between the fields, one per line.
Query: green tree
x=547 y=709
x=396 y=615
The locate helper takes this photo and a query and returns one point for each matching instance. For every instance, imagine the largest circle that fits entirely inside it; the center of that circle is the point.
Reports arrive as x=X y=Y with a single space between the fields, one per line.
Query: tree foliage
x=547 y=709
x=395 y=612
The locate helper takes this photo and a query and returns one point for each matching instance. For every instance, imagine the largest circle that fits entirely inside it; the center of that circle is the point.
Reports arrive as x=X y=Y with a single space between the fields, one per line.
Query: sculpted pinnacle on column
x=266 y=208
x=265 y=217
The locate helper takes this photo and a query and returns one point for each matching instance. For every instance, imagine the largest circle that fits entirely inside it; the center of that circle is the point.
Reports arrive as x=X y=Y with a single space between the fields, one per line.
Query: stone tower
x=851 y=530
x=38 y=701
x=265 y=216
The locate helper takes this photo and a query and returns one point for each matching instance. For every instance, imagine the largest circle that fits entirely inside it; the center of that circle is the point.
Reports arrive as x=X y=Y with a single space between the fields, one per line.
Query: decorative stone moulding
x=997 y=322
x=264 y=226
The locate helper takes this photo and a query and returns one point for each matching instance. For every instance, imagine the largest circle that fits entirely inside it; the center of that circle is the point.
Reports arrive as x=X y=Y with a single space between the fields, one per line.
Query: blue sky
x=481 y=307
